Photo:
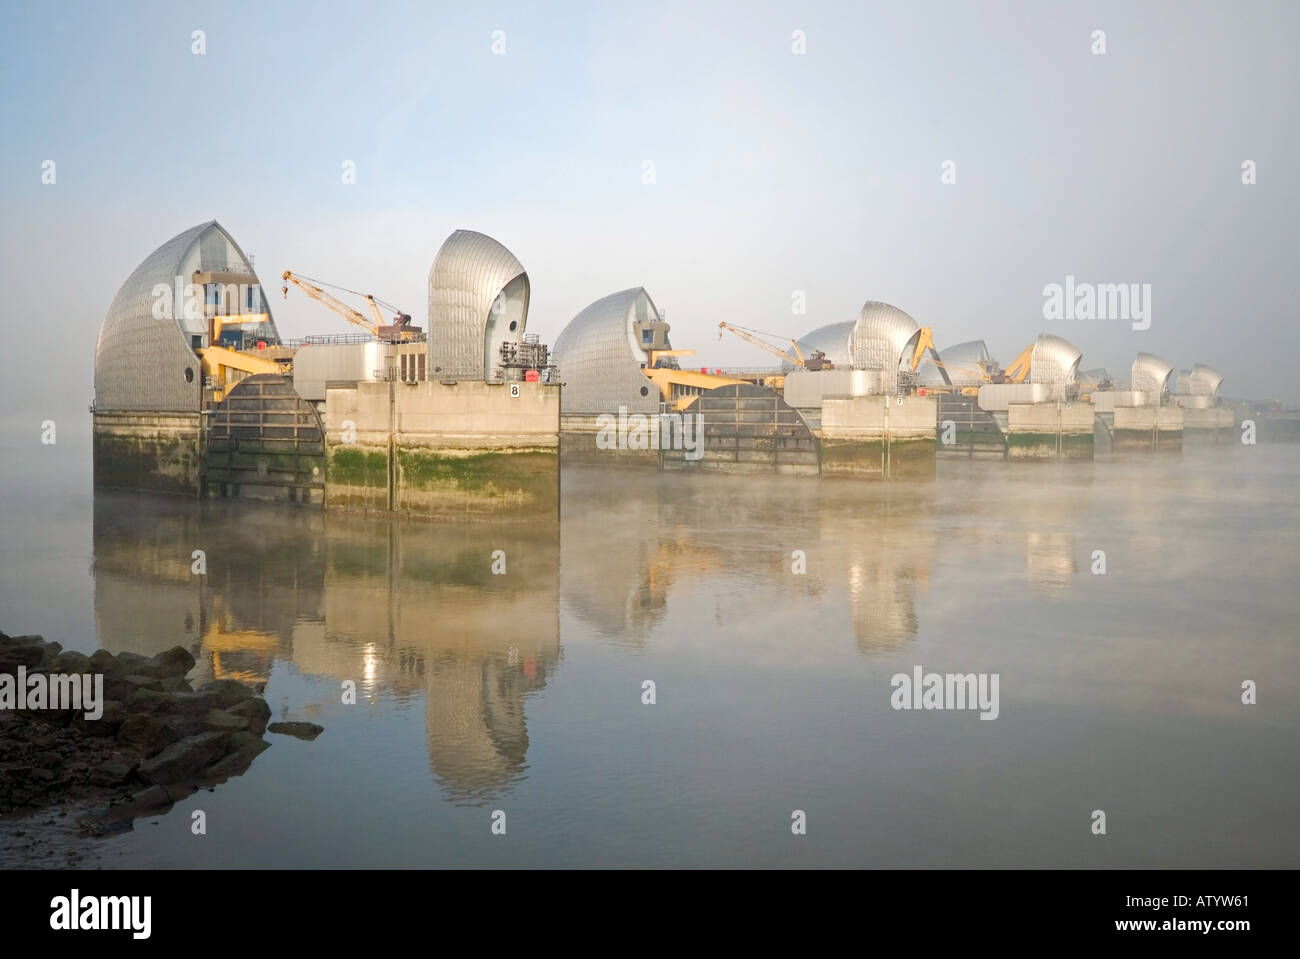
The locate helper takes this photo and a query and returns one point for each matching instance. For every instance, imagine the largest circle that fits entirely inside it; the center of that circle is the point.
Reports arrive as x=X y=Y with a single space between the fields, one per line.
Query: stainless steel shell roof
x=877 y=340
x=468 y=275
x=881 y=337
x=964 y=363
x=833 y=340
x=1204 y=381
x=1055 y=361
x=140 y=361
x=1150 y=373
x=600 y=360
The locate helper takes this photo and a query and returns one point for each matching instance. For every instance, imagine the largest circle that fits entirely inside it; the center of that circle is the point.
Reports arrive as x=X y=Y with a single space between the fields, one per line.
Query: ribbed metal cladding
x=833 y=340
x=1055 y=361
x=140 y=361
x=1204 y=381
x=881 y=338
x=1150 y=373
x=964 y=362
x=470 y=271
x=600 y=360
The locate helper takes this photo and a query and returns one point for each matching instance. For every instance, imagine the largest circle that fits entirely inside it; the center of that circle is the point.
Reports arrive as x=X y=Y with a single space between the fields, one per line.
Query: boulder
x=188 y=704
x=107 y=724
x=184 y=759
x=241 y=751
x=102 y=661
x=256 y=711
x=229 y=691
x=111 y=773
x=176 y=661
x=308 y=731
x=151 y=734
x=130 y=662
x=13 y=656
x=70 y=661
x=220 y=721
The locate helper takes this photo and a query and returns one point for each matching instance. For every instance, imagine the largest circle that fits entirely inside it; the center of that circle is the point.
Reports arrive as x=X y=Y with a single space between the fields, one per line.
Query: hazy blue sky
x=774 y=172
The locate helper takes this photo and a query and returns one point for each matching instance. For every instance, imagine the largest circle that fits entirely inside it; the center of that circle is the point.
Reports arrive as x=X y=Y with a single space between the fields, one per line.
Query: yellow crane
x=1019 y=368
x=926 y=342
x=813 y=361
x=399 y=330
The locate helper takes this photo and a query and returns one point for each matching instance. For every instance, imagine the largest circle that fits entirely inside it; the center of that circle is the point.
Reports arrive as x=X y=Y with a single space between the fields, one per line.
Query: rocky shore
x=156 y=741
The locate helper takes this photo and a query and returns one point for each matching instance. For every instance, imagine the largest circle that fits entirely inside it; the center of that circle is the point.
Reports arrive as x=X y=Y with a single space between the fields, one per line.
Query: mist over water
x=523 y=692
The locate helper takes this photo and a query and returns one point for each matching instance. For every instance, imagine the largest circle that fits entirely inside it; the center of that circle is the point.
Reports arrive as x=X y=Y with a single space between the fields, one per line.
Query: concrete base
x=578 y=433
x=1148 y=429
x=1212 y=425
x=879 y=437
x=464 y=448
x=151 y=451
x=1050 y=431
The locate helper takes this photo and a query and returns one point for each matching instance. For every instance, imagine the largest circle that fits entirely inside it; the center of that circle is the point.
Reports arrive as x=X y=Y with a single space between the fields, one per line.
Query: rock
x=130 y=662
x=102 y=661
x=178 y=791
x=188 y=704
x=241 y=751
x=70 y=661
x=246 y=742
x=151 y=734
x=176 y=661
x=111 y=773
x=184 y=759
x=144 y=800
x=108 y=723
x=220 y=721
x=11 y=657
x=256 y=711
x=229 y=691
x=308 y=731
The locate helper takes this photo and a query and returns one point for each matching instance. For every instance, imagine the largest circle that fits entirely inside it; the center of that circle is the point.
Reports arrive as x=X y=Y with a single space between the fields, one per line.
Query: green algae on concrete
x=355 y=466
x=142 y=451
x=435 y=481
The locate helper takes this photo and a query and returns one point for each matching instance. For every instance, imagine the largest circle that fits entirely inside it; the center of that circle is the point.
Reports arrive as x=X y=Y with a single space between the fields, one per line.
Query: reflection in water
x=1049 y=558
x=400 y=608
x=769 y=677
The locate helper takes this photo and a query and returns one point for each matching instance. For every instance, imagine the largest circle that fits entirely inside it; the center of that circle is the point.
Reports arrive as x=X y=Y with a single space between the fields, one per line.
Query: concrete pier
x=1056 y=430
x=1158 y=428
x=1214 y=424
x=443 y=448
x=878 y=436
x=150 y=451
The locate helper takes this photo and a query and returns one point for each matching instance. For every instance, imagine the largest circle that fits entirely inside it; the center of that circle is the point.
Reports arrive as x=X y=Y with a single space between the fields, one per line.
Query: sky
x=774 y=171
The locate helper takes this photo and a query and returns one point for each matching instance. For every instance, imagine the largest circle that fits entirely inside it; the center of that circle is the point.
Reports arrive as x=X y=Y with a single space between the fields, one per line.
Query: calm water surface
x=522 y=692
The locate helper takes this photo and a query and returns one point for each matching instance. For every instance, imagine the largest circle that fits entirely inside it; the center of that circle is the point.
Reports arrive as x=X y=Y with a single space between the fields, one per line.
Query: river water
x=522 y=692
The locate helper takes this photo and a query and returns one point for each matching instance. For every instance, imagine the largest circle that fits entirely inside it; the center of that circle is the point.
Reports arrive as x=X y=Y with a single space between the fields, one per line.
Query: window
x=647 y=337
